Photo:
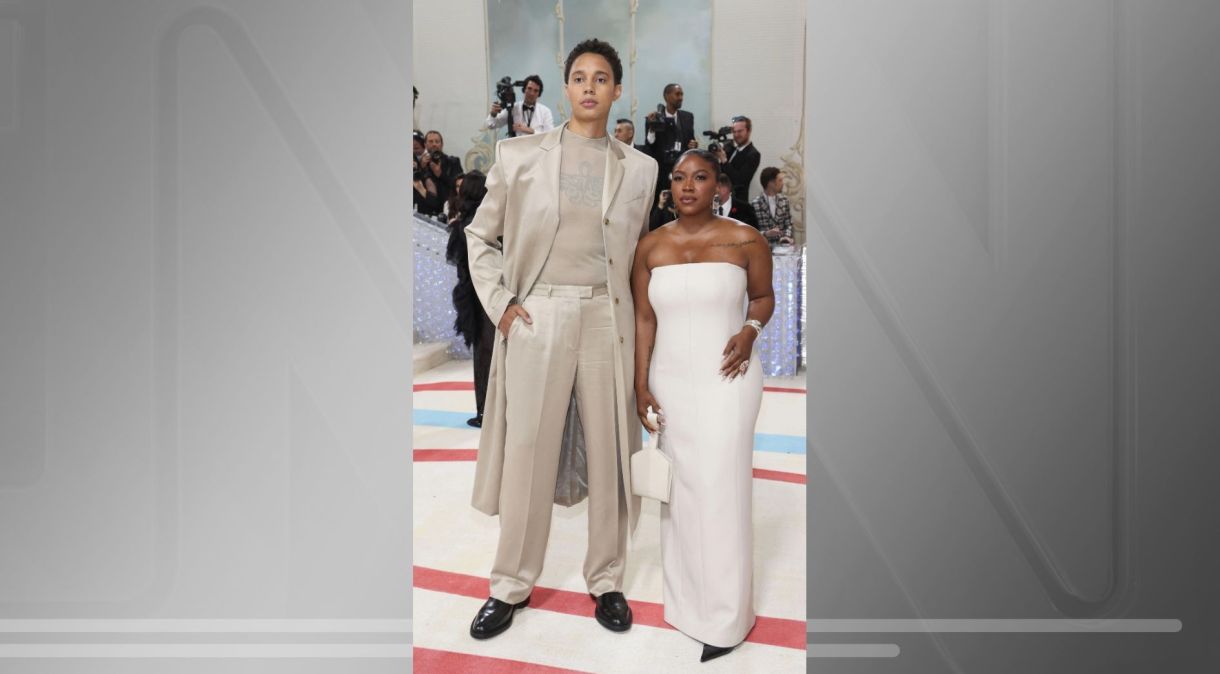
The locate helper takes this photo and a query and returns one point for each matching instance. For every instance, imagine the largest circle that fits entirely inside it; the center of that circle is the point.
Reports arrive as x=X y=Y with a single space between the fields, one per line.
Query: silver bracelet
x=757 y=325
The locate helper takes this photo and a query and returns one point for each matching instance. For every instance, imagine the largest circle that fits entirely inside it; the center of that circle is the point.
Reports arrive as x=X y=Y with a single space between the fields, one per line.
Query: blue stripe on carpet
x=763 y=442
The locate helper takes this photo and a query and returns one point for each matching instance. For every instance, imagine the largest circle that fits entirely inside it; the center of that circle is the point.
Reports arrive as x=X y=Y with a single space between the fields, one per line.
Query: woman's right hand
x=643 y=400
x=513 y=311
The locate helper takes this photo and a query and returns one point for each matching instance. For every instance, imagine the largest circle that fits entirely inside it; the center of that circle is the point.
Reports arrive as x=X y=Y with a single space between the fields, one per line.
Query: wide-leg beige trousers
x=568 y=348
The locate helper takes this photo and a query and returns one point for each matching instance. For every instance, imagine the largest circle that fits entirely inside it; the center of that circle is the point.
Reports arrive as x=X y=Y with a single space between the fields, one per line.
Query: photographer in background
x=444 y=169
x=742 y=160
x=772 y=208
x=664 y=211
x=670 y=131
x=417 y=144
x=528 y=115
x=426 y=197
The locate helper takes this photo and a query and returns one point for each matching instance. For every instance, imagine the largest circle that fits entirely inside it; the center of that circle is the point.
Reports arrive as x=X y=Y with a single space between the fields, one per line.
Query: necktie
x=722 y=211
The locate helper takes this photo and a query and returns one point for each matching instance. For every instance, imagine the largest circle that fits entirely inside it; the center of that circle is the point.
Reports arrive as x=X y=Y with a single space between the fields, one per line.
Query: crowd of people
x=669 y=132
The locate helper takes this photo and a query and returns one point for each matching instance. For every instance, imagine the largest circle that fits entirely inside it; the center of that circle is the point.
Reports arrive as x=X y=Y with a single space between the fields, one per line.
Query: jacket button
x=620 y=339
x=611 y=261
x=616 y=300
x=606 y=221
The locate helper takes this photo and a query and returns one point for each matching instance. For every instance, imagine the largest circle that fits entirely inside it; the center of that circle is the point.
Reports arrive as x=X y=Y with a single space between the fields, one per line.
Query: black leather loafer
x=494 y=617
x=710 y=652
x=612 y=612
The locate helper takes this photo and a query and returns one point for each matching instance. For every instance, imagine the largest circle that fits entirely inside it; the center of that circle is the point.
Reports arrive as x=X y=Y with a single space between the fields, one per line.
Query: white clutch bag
x=651 y=472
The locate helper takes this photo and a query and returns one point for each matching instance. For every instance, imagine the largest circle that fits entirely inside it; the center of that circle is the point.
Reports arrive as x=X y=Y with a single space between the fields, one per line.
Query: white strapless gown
x=706 y=531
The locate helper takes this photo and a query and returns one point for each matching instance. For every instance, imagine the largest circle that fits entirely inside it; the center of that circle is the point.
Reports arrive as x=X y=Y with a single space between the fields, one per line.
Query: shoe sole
x=506 y=625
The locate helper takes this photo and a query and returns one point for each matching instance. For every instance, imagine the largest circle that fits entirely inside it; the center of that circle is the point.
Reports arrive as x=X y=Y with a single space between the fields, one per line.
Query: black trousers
x=482 y=361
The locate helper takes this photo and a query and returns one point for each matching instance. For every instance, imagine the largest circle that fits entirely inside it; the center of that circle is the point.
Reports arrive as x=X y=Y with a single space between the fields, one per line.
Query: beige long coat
x=522 y=206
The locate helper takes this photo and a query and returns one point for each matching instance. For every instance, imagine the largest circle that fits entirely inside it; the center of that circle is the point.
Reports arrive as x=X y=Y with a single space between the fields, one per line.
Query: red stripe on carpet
x=446 y=454
x=430 y=660
x=473 y=455
x=469 y=386
x=772 y=631
x=445 y=386
x=779 y=476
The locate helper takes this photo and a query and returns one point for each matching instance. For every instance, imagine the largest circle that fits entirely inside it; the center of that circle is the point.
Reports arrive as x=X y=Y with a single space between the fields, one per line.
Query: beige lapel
x=614 y=176
x=548 y=174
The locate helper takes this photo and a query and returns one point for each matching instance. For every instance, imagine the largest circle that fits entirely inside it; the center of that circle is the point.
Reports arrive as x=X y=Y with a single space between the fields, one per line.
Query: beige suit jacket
x=522 y=206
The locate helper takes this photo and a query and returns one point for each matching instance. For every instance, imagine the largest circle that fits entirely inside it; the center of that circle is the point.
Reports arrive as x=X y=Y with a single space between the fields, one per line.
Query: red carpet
x=469 y=386
x=429 y=660
x=772 y=631
x=473 y=454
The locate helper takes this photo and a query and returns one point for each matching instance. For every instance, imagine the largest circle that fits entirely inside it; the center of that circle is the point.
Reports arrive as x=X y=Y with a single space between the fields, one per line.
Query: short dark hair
x=724 y=179
x=768 y=174
x=536 y=80
x=438 y=135
x=743 y=118
x=705 y=156
x=669 y=87
x=595 y=46
x=624 y=121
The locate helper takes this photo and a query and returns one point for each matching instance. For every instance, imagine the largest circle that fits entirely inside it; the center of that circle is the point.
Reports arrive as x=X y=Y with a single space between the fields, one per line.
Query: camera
x=505 y=93
x=719 y=138
x=436 y=157
x=654 y=124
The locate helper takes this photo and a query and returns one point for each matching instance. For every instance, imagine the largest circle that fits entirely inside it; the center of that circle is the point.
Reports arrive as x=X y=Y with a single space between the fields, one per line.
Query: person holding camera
x=741 y=161
x=772 y=208
x=664 y=211
x=528 y=115
x=427 y=196
x=670 y=131
x=442 y=168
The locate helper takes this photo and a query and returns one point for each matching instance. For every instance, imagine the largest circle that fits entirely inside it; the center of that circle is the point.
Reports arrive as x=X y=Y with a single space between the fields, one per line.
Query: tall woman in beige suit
x=570 y=205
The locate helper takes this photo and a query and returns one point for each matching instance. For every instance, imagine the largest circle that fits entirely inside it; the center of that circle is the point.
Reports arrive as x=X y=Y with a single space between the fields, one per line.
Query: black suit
x=740 y=168
x=660 y=216
x=743 y=211
x=681 y=129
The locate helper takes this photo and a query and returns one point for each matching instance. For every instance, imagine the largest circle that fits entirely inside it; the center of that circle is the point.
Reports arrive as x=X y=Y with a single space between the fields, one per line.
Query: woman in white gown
x=702 y=292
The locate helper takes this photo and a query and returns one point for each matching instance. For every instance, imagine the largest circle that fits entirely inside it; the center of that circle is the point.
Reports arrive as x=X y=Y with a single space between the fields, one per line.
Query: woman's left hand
x=737 y=353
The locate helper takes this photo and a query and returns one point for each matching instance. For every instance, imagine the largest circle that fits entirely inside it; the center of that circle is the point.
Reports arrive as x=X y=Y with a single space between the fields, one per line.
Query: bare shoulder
x=734 y=234
x=744 y=230
x=652 y=239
